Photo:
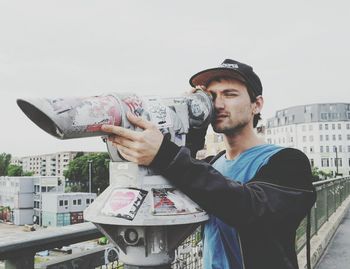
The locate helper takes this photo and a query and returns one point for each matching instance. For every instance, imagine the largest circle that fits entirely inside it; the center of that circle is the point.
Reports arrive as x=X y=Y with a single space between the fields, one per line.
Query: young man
x=256 y=194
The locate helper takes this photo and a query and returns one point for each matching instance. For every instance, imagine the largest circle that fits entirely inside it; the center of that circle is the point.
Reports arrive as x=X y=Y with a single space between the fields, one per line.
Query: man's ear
x=259 y=103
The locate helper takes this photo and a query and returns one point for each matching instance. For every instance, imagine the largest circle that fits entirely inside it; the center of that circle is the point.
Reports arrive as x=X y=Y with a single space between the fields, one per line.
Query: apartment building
x=47 y=164
x=321 y=131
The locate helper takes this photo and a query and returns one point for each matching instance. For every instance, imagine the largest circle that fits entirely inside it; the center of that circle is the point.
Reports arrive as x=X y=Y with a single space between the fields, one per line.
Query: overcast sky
x=300 y=50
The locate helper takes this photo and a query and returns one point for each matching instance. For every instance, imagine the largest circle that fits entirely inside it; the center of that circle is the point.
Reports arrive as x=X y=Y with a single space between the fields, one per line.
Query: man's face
x=233 y=108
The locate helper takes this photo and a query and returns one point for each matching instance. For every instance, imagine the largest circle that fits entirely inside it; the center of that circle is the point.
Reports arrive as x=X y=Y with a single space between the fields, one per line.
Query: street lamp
x=90 y=162
x=336 y=159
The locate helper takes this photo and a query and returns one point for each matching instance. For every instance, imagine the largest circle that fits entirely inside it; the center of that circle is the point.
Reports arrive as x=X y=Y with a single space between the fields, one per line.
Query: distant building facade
x=61 y=209
x=16 y=199
x=41 y=200
x=321 y=131
x=47 y=164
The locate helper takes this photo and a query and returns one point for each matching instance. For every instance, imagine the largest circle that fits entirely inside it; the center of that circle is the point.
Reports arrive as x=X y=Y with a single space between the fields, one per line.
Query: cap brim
x=202 y=78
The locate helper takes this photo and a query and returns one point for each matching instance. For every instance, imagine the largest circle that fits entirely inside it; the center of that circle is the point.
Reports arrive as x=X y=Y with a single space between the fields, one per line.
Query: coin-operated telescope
x=141 y=212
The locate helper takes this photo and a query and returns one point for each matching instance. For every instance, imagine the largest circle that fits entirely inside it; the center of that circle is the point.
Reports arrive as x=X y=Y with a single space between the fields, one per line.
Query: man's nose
x=218 y=102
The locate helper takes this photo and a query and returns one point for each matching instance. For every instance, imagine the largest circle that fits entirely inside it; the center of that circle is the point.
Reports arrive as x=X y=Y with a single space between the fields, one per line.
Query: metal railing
x=19 y=252
x=330 y=195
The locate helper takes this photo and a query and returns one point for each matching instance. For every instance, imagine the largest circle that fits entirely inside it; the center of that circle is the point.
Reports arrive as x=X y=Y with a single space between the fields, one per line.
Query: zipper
x=241 y=250
x=279 y=186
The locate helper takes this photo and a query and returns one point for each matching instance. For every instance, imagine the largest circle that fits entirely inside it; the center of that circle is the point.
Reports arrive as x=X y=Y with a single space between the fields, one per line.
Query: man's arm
x=266 y=199
x=282 y=189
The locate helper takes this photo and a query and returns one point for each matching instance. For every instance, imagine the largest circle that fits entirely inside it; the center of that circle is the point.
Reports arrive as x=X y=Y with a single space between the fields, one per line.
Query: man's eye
x=230 y=94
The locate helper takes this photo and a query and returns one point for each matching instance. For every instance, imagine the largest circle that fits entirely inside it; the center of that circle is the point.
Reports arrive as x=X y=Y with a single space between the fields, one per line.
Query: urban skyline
x=58 y=49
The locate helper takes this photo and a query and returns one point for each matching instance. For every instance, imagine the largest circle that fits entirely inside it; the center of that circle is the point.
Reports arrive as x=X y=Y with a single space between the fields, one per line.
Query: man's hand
x=134 y=146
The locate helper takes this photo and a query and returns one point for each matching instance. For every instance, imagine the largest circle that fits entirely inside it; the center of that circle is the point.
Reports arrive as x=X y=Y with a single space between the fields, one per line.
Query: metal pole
x=90 y=161
x=336 y=159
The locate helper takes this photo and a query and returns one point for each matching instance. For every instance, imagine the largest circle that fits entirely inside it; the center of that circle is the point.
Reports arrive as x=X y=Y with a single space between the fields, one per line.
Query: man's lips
x=220 y=116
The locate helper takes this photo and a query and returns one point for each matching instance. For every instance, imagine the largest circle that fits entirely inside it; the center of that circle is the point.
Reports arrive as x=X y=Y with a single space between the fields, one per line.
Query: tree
x=5 y=160
x=78 y=172
x=14 y=170
x=17 y=171
x=318 y=174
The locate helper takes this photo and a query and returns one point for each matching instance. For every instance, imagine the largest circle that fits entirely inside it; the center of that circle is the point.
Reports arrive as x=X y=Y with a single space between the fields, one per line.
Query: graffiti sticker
x=159 y=113
x=124 y=203
x=169 y=201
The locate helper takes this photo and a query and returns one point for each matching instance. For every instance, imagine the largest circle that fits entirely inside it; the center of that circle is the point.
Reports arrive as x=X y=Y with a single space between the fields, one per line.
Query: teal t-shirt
x=221 y=246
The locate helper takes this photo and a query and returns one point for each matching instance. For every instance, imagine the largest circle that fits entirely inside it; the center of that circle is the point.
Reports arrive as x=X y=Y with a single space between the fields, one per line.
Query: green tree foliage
x=78 y=172
x=14 y=170
x=4 y=163
x=318 y=174
x=17 y=171
x=5 y=160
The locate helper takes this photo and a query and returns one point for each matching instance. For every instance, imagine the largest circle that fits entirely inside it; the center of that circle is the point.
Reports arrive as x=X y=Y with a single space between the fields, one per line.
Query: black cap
x=229 y=68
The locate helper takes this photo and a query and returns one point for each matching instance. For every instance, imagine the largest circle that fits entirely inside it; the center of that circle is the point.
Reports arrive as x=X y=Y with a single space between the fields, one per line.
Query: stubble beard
x=230 y=130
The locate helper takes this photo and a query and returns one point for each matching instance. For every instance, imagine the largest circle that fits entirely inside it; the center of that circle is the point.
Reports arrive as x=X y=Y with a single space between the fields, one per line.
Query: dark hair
x=251 y=94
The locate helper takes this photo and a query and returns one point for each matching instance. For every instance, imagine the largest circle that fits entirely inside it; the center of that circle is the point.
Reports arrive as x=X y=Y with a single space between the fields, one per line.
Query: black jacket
x=266 y=211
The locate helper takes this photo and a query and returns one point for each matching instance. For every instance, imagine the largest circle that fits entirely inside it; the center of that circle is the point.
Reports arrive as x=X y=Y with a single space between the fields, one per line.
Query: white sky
x=300 y=50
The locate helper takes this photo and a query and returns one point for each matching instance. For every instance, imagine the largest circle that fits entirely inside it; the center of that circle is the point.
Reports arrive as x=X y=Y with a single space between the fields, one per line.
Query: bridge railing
x=19 y=252
x=330 y=195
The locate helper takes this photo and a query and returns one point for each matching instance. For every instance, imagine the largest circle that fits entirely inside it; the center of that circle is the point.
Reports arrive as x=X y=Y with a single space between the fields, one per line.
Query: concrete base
x=320 y=241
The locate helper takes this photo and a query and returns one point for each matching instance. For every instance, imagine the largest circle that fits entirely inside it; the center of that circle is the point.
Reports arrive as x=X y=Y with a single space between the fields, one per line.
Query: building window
x=338 y=162
x=65 y=202
x=326 y=126
x=304 y=138
x=321 y=137
x=311 y=138
x=291 y=139
x=327 y=148
x=320 y=127
x=340 y=149
x=87 y=201
x=327 y=137
x=348 y=137
x=321 y=149
x=339 y=137
x=339 y=126
x=79 y=201
x=61 y=202
x=334 y=138
x=324 y=162
x=311 y=149
x=312 y=162
x=74 y=202
x=348 y=126
x=333 y=126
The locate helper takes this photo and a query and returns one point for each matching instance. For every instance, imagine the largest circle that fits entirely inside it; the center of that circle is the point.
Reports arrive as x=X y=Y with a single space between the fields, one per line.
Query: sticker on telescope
x=134 y=103
x=124 y=203
x=159 y=113
x=92 y=112
x=169 y=201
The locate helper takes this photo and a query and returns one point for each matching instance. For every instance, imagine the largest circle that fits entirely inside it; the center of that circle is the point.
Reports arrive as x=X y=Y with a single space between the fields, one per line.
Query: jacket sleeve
x=272 y=196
